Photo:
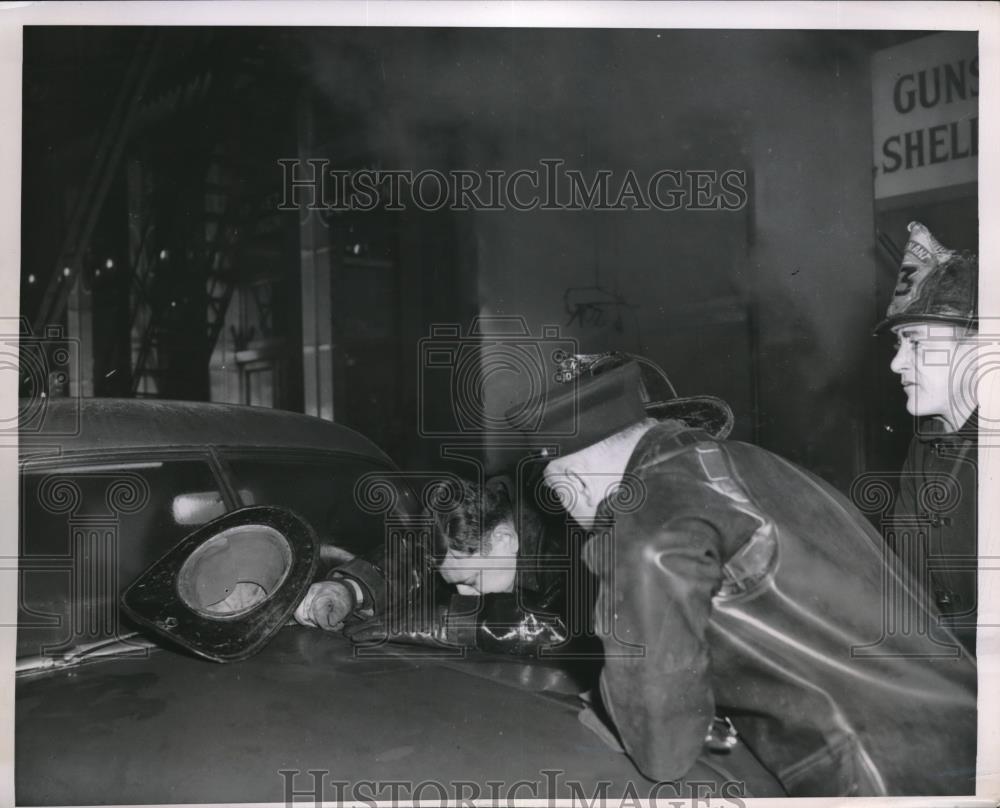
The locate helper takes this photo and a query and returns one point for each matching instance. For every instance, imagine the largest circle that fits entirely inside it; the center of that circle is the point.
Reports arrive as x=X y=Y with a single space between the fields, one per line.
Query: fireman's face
x=569 y=483
x=493 y=568
x=935 y=362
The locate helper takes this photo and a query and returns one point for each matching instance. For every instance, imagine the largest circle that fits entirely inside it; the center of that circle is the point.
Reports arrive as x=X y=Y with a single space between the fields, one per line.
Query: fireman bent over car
x=756 y=591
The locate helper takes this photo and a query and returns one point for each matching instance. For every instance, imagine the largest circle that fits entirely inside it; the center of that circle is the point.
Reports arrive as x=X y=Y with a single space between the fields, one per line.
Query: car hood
x=169 y=728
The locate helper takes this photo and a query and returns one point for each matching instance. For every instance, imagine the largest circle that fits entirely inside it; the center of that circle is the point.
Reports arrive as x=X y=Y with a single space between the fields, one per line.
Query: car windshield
x=324 y=491
x=87 y=530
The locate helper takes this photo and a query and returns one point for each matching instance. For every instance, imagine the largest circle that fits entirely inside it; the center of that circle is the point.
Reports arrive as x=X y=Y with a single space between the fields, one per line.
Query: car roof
x=86 y=424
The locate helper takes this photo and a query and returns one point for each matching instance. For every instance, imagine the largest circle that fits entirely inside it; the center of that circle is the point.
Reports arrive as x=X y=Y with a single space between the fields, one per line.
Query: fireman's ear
x=225 y=589
x=502 y=486
x=584 y=488
x=504 y=541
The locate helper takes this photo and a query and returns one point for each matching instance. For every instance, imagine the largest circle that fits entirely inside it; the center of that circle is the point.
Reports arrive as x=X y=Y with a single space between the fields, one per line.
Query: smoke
x=792 y=107
x=584 y=95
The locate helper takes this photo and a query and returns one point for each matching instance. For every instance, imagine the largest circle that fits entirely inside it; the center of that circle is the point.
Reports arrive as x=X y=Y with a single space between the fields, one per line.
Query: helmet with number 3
x=935 y=284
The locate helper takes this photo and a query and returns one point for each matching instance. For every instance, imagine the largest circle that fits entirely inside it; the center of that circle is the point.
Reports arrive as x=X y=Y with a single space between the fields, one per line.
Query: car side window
x=89 y=528
x=320 y=489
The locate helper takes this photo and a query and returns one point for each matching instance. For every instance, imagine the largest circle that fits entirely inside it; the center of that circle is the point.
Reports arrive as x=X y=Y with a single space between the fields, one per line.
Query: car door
x=89 y=525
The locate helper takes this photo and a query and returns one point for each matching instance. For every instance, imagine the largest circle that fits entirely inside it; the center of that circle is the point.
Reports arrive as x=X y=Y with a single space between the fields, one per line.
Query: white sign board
x=925 y=96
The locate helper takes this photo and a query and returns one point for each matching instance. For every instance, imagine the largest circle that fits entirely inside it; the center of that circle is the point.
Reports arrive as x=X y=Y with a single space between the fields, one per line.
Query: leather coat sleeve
x=497 y=623
x=659 y=568
x=399 y=571
x=370 y=581
x=508 y=624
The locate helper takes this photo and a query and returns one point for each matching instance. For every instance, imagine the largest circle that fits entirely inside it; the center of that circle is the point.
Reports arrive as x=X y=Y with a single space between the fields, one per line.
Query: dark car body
x=107 y=715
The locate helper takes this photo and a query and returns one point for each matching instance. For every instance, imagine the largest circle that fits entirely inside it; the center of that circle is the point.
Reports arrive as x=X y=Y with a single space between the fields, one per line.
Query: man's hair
x=465 y=524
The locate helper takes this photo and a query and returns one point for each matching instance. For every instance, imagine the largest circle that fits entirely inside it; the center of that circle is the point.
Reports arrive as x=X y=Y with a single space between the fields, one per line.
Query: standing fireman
x=934 y=316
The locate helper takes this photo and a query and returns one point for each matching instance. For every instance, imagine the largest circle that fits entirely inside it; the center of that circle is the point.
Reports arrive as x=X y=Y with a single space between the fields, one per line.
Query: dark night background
x=191 y=283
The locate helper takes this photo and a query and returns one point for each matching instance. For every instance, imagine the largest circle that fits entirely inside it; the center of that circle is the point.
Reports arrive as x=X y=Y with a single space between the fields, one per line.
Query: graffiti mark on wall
x=597 y=307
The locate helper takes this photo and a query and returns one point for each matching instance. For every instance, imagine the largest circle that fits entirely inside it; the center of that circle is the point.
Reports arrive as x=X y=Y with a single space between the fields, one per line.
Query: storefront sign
x=926 y=114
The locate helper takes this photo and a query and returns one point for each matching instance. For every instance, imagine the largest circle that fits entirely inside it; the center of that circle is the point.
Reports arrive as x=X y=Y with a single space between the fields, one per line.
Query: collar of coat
x=935 y=430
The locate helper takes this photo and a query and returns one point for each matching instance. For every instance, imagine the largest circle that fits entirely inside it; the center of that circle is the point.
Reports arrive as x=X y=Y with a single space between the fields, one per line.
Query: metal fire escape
x=181 y=293
x=174 y=294
x=177 y=131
